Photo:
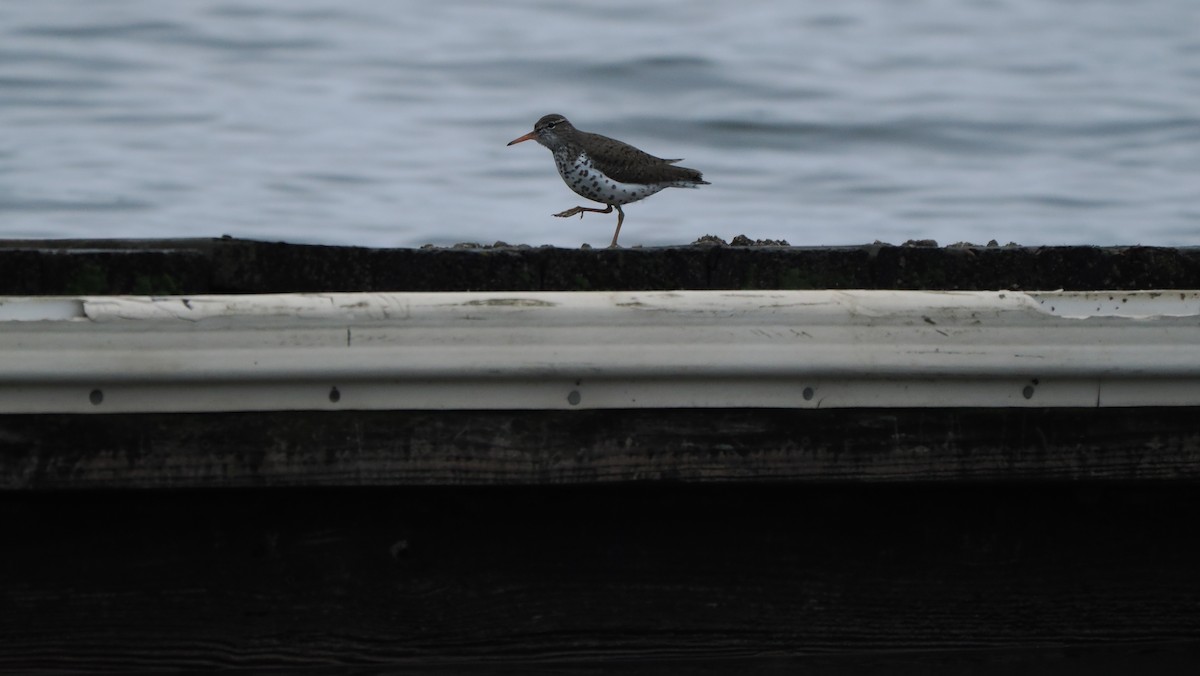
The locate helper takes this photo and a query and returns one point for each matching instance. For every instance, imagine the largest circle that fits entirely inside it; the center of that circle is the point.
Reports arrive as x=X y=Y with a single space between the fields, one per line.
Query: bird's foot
x=571 y=212
x=579 y=210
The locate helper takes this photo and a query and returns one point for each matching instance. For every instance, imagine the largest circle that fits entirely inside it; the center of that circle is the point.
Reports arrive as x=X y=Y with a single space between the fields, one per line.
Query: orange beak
x=528 y=137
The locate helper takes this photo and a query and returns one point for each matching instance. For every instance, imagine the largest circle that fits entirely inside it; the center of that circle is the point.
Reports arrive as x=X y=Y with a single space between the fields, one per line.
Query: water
x=384 y=123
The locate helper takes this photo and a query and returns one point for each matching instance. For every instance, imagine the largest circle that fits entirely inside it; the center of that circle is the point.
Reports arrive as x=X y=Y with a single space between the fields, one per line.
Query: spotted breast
x=582 y=176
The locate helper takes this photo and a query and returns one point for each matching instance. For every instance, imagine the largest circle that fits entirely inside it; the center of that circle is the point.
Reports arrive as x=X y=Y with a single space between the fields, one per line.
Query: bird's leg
x=579 y=210
x=620 y=217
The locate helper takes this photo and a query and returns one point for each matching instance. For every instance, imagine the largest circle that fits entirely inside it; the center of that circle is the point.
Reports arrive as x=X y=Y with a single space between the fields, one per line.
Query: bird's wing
x=622 y=162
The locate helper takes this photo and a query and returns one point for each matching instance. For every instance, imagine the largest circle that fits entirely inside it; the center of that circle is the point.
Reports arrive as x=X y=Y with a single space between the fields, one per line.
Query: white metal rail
x=772 y=349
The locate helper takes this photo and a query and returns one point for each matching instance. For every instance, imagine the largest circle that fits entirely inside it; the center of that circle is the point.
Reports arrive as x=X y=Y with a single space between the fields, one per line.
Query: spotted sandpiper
x=604 y=169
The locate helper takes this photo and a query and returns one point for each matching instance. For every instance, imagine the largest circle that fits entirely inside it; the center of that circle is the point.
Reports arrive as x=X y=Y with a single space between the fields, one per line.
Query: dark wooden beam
x=359 y=448
x=203 y=266
x=720 y=577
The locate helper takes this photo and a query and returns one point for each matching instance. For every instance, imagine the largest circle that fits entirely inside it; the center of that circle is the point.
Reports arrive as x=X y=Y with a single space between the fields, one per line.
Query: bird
x=604 y=169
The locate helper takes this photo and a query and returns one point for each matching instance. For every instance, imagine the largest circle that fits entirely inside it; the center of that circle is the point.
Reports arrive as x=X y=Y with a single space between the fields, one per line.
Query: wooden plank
x=325 y=448
x=157 y=580
x=196 y=266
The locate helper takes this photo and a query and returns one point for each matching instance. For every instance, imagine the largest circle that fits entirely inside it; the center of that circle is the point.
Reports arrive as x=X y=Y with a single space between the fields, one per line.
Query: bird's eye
x=550 y=125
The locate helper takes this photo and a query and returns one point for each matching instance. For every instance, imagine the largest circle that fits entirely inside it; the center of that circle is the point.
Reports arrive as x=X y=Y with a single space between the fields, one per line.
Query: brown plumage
x=604 y=169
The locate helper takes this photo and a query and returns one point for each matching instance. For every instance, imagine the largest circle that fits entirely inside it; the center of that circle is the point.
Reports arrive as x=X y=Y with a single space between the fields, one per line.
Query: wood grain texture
x=583 y=447
x=355 y=578
x=202 y=266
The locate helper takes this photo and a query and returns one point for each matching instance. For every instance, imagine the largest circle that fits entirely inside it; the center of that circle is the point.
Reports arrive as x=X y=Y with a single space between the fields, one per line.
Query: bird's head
x=547 y=131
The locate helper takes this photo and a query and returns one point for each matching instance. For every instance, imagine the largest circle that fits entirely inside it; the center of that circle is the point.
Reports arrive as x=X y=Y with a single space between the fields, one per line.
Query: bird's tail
x=689 y=178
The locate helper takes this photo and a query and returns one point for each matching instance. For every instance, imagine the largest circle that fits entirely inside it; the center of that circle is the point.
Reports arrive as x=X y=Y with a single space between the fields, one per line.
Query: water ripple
x=57 y=205
x=170 y=33
x=100 y=31
x=1019 y=120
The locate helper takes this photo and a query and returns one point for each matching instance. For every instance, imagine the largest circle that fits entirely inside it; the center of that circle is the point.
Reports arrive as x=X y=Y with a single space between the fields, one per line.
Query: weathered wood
x=197 y=266
x=651 y=542
x=286 y=578
x=358 y=448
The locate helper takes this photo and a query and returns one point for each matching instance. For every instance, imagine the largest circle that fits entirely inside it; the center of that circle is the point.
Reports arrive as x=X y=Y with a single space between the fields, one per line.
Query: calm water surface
x=384 y=123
